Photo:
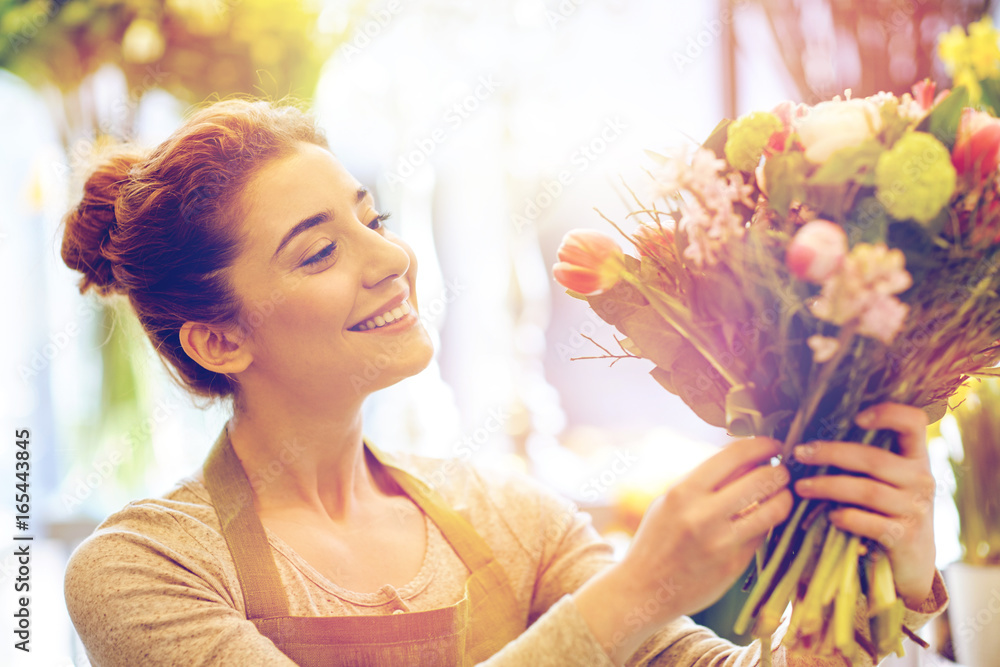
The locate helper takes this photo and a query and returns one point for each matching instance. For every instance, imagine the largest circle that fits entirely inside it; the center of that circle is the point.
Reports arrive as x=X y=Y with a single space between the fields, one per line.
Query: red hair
x=163 y=228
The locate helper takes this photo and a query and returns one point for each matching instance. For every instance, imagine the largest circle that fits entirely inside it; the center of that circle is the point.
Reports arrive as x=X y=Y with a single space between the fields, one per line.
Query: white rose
x=830 y=126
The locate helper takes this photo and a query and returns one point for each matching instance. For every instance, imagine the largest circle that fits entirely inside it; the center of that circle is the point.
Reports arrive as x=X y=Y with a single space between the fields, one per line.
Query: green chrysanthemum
x=748 y=136
x=915 y=178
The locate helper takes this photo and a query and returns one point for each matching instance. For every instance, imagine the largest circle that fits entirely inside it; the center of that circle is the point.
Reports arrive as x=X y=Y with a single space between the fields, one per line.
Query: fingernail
x=803 y=485
x=804 y=452
x=864 y=419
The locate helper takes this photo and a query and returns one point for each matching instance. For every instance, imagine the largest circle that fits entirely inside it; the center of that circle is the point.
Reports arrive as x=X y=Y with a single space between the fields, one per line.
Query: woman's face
x=328 y=293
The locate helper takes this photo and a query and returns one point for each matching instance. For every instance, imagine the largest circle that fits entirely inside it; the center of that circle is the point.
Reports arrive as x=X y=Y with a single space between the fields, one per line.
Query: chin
x=393 y=366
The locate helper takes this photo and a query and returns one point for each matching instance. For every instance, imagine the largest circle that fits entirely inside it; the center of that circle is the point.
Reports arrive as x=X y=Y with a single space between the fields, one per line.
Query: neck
x=300 y=458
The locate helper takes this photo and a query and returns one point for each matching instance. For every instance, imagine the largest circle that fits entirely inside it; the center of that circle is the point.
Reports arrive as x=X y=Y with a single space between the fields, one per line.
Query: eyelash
x=379 y=219
x=328 y=250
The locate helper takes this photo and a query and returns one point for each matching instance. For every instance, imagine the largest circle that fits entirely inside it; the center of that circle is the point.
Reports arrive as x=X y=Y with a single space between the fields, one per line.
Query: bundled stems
x=816 y=391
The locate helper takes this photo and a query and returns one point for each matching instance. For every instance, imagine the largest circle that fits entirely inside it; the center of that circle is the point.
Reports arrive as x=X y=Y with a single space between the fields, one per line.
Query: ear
x=215 y=348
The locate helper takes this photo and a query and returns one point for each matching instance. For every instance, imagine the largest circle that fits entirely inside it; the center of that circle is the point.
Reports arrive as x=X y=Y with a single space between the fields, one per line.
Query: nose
x=385 y=259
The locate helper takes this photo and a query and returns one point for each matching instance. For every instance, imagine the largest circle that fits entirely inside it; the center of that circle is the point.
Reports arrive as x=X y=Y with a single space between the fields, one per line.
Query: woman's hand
x=692 y=544
x=893 y=504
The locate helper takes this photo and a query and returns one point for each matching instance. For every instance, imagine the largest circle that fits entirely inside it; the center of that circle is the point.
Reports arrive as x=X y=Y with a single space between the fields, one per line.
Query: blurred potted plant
x=974 y=581
x=193 y=49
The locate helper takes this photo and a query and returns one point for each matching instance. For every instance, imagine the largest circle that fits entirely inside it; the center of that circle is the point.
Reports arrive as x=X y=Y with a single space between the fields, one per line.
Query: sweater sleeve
x=571 y=551
x=137 y=598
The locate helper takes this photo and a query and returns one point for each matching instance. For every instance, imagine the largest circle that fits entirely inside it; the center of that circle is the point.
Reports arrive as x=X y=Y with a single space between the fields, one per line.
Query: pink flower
x=977 y=146
x=883 y=318
x=817 y=251
x=924 y=94
x=589 y=262
x=823 y=347
x=788 y=112
x=863 y=290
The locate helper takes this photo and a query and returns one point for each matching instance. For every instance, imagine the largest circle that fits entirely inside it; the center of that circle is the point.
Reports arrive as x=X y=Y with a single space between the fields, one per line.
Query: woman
x=345 y=556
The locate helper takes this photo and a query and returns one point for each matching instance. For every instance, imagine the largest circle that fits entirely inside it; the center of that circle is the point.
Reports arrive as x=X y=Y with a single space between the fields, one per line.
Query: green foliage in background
x=976 y=473
x=194 y=49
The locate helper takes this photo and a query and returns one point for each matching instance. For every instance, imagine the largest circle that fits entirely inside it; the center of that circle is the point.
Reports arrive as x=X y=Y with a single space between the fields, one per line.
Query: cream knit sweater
x=155 y=584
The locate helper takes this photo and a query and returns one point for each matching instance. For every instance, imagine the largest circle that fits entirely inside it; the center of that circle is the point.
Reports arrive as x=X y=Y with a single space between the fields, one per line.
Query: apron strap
x=496 y=620
x=493 y=605
x=227 y=483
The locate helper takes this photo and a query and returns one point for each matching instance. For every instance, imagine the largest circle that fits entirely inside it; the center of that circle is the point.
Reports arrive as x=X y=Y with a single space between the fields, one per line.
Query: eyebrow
x=308 y=223
x=312 y=221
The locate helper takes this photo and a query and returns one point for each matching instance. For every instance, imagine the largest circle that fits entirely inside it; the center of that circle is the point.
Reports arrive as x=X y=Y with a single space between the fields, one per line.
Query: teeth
x=387 y=317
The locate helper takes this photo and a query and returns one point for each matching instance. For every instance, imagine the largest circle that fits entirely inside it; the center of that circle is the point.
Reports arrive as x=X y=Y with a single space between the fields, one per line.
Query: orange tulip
x=589 y=262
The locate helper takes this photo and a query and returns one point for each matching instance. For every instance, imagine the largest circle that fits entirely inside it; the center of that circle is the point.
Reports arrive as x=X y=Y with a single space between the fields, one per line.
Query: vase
x=975 y=612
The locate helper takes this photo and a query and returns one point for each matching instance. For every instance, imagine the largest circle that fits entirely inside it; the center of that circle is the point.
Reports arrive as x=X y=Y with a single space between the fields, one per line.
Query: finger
x=753 y=525
x=887 y=531
x=864 y=492
x=886 y=466
x=908 y=421
x=748 y=452
x=752 y=489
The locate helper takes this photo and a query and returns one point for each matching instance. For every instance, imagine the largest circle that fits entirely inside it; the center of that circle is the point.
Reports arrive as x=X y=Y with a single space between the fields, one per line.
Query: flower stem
x=767 y=576
x=805 y=412
x=769 y=617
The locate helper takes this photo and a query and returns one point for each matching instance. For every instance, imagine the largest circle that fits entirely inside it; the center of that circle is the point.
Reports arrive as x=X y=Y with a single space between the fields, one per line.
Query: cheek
x=304 y=312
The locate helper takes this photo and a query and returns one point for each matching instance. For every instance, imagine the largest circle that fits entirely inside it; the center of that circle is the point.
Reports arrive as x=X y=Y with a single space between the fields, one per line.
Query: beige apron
x=462 y=634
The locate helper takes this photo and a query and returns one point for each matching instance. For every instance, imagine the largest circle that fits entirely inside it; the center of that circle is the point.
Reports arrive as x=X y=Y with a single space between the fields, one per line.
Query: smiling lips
x=385 y=318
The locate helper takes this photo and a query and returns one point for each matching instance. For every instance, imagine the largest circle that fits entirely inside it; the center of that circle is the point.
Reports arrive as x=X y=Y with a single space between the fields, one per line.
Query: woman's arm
x=608 y=616
x=139 y=594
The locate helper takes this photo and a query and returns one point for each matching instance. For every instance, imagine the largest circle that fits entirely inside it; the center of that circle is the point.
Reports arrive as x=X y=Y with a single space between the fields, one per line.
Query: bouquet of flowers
x=799 y=266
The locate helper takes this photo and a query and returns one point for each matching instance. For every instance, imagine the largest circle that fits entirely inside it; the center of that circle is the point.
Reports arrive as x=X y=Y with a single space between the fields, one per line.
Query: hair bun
x=88 y=240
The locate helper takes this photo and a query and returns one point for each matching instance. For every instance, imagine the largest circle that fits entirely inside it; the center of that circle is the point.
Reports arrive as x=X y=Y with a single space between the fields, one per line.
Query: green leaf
x=868 y=222
x=786 y=180
x=853 y=163
x=706 y=403
x=716 y=141
x=943 y=119
x=990 y=98
x=827 y=200
x=743 y=417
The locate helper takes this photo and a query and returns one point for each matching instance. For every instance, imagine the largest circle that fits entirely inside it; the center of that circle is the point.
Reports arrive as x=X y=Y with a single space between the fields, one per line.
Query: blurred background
x=489 y=130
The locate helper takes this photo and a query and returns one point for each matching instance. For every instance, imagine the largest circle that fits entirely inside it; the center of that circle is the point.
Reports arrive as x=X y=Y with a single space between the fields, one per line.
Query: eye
x=321 y=255
x=376 y=223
